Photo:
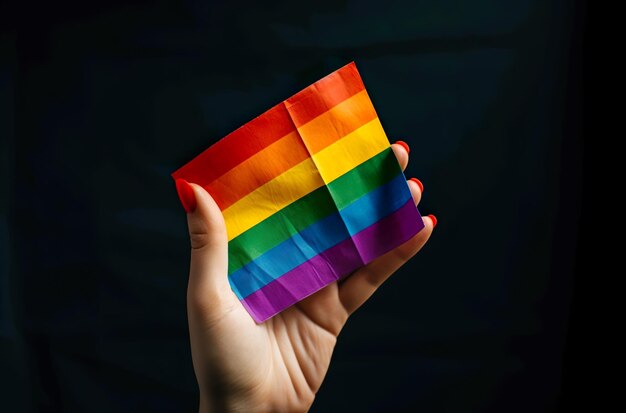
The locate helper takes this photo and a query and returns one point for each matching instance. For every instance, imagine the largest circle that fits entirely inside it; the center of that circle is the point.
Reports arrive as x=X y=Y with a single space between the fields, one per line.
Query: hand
x=277 y=366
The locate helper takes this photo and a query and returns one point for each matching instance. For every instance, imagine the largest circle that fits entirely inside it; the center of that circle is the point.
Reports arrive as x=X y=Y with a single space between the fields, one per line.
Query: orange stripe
x=258 y=170
x=337 y=122
x=289 y=151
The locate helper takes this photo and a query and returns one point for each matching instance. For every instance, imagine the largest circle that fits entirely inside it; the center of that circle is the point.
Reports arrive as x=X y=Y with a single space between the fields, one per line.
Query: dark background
x=101 y=101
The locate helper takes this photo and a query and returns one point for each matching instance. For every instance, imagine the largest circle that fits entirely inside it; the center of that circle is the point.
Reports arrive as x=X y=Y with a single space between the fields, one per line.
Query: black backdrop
x=101 y=101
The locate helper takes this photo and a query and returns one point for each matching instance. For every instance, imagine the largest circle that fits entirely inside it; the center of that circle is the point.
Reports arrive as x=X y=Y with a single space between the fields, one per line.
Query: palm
x=278 y=365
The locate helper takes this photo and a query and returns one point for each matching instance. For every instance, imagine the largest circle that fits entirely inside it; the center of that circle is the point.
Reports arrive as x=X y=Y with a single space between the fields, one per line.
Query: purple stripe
x=335 y=262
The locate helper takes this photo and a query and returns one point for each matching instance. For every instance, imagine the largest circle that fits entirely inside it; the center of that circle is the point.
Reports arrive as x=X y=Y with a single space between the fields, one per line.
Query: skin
x=277 y=366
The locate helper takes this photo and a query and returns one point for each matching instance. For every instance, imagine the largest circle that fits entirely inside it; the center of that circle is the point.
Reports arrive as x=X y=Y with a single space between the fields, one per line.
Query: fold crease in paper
x=310 y=192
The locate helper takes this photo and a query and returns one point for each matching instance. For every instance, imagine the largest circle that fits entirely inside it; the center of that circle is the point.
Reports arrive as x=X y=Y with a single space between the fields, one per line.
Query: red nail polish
x=186 y=195
x=404 y=145
x=419 y=183
x=434 y=219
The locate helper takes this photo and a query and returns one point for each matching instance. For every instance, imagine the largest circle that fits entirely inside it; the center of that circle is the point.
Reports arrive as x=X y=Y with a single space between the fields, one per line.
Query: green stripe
x=366 y=177
x=312 y=207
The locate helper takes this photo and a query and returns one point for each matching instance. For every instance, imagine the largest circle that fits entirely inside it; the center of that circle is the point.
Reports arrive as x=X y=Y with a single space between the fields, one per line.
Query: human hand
x=279 y=365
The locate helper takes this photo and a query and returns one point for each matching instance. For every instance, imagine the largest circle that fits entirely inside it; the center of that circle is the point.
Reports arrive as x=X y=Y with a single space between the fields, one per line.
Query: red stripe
x=324 y=94
x=237 y=146
x=272 y=125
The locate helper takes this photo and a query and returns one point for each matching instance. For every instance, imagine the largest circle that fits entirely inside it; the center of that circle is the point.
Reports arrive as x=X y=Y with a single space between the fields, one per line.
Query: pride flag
x=310 y=191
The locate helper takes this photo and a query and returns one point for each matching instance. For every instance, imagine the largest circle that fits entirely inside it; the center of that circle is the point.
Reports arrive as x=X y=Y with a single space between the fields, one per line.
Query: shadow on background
x=100 y=103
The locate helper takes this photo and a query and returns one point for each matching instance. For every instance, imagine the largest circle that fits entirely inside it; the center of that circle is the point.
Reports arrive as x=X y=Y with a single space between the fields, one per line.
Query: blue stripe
x=320 y=236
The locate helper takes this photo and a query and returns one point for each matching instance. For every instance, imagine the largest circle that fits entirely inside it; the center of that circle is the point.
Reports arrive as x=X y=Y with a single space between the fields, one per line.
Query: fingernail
x=419 y=183
x=404 y=145
x=434 y=219
x=186 y=195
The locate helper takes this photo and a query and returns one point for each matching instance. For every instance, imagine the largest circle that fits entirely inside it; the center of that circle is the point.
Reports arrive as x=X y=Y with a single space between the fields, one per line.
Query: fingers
x=357 y=288
x=360 y=286
x=207 y=230
x=208 y=281
x=401 y=150
x=416 y=187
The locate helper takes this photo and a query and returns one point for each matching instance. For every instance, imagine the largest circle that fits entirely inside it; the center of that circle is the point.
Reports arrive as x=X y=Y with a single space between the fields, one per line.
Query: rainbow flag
x=310 y=191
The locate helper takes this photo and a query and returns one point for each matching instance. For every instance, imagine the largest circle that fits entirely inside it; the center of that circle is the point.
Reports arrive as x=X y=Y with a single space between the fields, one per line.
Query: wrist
x=211 y=403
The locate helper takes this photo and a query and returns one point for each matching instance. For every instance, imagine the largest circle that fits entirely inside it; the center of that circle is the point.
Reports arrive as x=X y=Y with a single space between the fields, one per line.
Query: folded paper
x=310 y=191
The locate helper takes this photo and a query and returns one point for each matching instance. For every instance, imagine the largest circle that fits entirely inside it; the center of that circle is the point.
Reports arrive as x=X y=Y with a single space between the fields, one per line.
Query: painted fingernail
x=186 y=195
x=419 y=183
x=434 y=219
x=404 y=145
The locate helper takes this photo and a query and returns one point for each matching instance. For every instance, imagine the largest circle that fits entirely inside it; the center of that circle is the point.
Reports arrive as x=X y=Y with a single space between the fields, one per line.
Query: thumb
x=208 y=274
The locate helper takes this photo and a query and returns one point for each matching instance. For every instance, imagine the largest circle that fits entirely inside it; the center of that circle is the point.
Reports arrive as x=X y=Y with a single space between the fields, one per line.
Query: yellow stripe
x=332 y=162
x=291 y=149
x=271 y=197
x=351 y=151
